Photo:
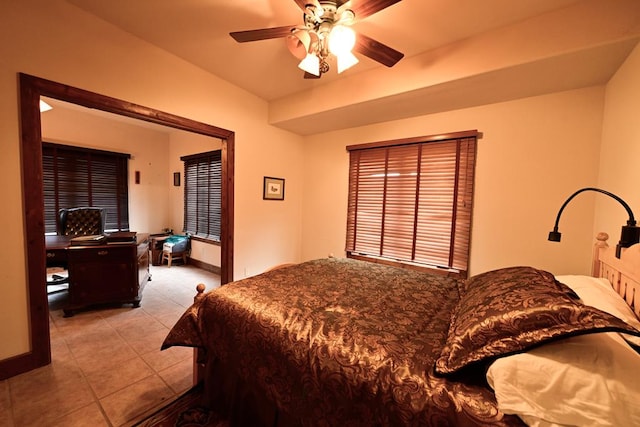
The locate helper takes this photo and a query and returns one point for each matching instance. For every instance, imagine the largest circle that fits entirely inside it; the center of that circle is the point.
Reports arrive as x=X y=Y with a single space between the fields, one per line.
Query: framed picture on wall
x=273 y=188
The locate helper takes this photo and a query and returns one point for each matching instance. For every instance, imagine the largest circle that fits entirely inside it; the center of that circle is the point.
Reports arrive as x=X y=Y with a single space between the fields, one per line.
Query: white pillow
x=598 y=293
x=589 y=380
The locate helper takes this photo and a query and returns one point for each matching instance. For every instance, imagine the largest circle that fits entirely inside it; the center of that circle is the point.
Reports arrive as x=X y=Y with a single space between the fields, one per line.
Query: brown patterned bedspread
x=340 y=342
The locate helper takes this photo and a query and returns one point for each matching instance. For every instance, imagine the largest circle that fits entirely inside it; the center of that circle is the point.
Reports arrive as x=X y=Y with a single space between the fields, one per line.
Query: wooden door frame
x=31 y=88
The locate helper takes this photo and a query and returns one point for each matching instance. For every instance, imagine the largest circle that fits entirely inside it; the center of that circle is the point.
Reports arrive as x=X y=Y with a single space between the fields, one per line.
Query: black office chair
x=81 y=221
x=57 y=276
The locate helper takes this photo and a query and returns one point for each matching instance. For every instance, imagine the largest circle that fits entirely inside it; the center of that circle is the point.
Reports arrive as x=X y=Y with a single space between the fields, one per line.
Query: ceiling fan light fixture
x=346 y=16
x=298 y=43
x=326 y=34
x=345 y=61
x=310 y=64
x=314 y=10
x=341 y=40
x=44 y=106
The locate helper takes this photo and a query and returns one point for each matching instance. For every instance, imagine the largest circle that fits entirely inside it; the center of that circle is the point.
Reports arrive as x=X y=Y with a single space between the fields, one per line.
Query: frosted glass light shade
x=341 y=40
x=298 y=43
x=310 y=64
x=346 y=60
x=44 y=106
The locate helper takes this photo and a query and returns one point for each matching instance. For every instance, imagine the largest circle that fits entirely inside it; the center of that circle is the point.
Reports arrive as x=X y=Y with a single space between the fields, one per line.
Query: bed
x=344 y=342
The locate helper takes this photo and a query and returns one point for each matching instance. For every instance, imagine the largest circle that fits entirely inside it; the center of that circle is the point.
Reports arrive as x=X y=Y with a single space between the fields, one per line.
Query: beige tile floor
x=107 y=368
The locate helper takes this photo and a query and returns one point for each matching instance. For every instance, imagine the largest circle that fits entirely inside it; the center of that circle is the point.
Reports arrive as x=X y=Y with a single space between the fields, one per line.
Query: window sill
x=205 y=240
x=425 y=268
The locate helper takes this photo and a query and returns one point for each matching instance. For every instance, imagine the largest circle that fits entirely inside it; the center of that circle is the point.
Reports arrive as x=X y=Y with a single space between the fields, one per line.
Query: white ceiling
x=458 y=53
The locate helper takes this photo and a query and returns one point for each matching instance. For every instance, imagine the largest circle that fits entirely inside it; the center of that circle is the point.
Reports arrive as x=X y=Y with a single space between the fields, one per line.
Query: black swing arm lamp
x=630 y=233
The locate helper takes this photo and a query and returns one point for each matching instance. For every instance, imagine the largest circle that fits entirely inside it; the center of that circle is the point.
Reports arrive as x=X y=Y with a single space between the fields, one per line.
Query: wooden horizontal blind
x=75 y=176
x=203 y=194
x=412 y=202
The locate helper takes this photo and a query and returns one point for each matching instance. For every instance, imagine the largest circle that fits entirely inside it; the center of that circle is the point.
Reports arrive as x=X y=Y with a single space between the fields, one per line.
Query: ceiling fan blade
x=377 y=51
x=308 y=75
x=262 y=34
x=364 y=8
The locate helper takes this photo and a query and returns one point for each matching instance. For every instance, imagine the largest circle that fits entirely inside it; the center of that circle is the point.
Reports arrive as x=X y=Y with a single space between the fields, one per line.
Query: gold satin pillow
x=510 y=310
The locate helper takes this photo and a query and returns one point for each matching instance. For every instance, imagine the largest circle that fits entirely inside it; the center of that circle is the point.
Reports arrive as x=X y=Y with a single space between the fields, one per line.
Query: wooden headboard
x=623 y=273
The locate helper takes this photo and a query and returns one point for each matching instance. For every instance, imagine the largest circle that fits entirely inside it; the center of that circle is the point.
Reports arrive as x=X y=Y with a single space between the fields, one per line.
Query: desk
x=101 y=274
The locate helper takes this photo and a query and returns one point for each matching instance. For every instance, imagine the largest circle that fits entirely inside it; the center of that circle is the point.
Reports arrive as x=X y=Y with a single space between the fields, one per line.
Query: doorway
x=31 y=89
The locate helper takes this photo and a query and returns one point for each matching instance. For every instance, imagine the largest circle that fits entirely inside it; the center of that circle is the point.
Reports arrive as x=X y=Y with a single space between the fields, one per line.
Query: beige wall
x=155 y=203
x=620 y=153
x=149 y=150
x=54 y=40
x=534 y=153
x=181 y=144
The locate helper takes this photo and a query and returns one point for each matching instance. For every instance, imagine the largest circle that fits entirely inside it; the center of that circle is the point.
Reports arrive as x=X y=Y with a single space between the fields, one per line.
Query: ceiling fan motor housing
x=329 y=10
x=326 y=16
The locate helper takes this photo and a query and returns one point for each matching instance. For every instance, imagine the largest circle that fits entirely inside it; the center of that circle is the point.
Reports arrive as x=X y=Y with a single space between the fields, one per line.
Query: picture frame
x=273 y=188
x=176 y=179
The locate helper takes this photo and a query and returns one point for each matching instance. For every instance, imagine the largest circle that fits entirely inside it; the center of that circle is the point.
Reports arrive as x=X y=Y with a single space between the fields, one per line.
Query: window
x=410 y=201
x=75 y=176
x=203 y=194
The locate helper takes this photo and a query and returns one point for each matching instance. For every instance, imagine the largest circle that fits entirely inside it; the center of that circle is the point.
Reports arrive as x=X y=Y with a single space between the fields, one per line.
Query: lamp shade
x=310 y=64
x=44 y=106
x=341 y=40
x=298 y=43
x=346 y=60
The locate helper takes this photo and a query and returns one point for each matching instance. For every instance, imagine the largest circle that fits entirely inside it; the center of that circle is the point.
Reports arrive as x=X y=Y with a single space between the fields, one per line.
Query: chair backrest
x=81 y=221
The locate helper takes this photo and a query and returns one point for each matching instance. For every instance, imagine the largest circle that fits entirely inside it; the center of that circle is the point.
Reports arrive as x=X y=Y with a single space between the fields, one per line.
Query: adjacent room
x=274 y=155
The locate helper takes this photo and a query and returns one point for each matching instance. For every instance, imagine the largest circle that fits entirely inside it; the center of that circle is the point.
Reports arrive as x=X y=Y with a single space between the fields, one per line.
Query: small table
x=155 y=246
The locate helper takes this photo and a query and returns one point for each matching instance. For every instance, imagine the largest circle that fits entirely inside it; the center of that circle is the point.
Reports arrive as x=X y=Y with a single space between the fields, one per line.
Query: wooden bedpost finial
x=200 y=289
x=601 y=243
x=602 y=237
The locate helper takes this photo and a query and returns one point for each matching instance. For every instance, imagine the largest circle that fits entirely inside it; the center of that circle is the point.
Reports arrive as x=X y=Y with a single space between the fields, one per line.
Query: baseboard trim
x=205 y=266
x=22 y=363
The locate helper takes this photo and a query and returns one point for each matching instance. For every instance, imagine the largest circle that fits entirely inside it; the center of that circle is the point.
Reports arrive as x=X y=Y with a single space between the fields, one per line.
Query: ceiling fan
x=327 y=31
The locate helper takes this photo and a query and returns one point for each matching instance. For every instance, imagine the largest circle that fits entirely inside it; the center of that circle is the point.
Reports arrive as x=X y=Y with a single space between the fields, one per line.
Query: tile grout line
x=169 y=290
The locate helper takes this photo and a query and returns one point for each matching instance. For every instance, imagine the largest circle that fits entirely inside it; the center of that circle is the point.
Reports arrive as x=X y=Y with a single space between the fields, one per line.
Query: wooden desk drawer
x=56 y=257
x=102 y=253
